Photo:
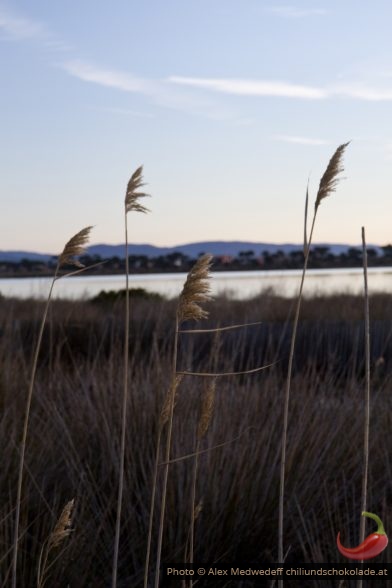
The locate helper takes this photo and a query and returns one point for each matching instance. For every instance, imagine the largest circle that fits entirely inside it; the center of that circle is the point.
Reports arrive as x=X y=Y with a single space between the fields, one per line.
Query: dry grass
x=327 y=185
x=195 y=292
x=131 y=203
x=75 y=246
x=75 y=425
x=61 y=531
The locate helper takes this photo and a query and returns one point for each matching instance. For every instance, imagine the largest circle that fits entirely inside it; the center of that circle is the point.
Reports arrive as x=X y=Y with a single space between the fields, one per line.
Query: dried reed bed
x=75 y=421
x=74 y=247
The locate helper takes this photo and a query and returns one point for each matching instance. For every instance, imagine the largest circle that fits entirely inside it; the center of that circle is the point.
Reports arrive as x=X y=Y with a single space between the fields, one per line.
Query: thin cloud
x=17 y=27
x=252 y=87
x=281 y=89
x=159 y=92
x=301 y=140
x=361 y=92
x=107 y=77
x=14 y=27
x=286 y=11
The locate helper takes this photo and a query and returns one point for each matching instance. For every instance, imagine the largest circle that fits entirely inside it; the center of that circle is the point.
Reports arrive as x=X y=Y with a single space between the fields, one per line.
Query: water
x=240 y=285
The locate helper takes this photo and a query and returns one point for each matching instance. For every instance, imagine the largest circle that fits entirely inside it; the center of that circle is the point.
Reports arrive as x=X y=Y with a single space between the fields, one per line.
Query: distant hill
x=192 y=250
x=17 y=256
x=233 y=248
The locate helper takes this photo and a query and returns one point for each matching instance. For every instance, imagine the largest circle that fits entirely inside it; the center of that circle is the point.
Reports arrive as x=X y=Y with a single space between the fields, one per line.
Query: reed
x=328 y=184
x=163 y=419
x=206 y=413
x=61 y=531
x=131 y=203
x=366 y=428
x=196 y=291
x=71 y=449
x=74 y=247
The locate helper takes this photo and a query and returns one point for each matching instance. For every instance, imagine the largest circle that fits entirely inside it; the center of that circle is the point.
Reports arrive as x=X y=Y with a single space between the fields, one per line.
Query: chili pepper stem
x=380 y=529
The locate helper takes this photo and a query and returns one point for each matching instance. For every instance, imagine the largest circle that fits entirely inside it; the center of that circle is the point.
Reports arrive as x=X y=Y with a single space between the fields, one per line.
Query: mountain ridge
x=193 y=250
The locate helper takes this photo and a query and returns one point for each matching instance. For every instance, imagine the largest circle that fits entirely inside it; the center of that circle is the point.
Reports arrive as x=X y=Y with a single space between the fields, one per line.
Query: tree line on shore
x=322 y=258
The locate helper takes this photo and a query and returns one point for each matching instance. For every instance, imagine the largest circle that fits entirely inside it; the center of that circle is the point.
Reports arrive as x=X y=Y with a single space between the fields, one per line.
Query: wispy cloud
x=108 y=77
x=300 y=140
x=252 y=87
x=282 y=89
x=362 y=92
x=159 y=92
x=288 y=11
x=15 y=27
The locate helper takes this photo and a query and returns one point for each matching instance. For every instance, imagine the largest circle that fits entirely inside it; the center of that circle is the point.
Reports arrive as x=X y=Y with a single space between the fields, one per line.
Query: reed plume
x=170 y=399
x=207 y=409
x=132 y=196
x=61 y=531
x=330 y=179
x=328 y=184
x=206 y=413
x=131 y=204
x=195 y=292
x=75 y=246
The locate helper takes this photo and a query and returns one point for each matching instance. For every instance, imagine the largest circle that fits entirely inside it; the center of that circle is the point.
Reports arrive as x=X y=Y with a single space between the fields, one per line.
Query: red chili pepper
x=373 y=545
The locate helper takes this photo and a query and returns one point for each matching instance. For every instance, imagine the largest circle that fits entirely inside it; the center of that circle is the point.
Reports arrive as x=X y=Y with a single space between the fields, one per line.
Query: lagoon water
x=240 y=285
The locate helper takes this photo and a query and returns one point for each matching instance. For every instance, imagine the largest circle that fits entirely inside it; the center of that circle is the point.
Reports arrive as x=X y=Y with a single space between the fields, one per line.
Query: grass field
x=74 y=433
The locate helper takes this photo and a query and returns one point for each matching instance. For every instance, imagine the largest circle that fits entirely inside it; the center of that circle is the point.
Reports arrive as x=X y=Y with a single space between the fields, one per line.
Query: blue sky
x=229 y=104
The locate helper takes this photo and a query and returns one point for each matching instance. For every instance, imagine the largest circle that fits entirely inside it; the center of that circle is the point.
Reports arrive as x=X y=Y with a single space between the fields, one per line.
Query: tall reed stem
x=167 y=460
x=25 y=430
x=124 y=416
x=196 y=290
x=367 y=396
x=287 y=398
x=132 y=197
x=74 y=247
x=327 y=185
x=193 y=507
x=152 y=507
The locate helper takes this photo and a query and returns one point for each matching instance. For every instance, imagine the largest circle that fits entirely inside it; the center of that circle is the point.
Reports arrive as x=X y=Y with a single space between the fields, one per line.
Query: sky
x=229 y=105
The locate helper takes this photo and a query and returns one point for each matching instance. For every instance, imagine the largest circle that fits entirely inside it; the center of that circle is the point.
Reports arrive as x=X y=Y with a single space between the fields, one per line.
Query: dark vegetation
x=322 y=257
x=73 y=443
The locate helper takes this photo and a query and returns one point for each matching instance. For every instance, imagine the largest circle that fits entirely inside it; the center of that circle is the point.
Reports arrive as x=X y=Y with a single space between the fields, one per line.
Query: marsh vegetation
x=75 y=420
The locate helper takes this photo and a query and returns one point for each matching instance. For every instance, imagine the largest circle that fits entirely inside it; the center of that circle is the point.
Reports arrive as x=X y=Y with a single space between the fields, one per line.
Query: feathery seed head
x=63 y=525
x=330 y=178
x=170 y=400
x=198 y=509
x=75 y=246
x=132 y=196
x=207 y=409
x=196 y=290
